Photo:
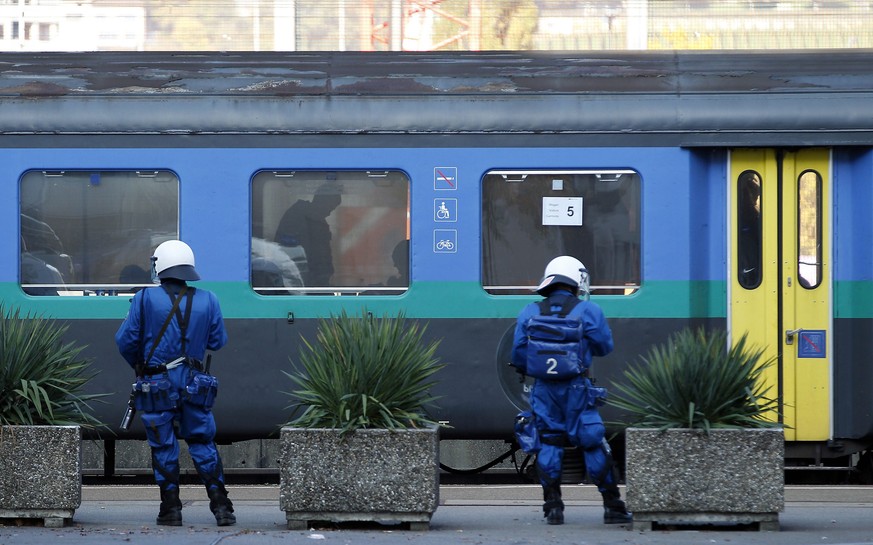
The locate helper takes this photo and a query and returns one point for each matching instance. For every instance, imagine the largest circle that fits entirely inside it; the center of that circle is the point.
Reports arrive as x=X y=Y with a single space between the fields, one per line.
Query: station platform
x=467 y=514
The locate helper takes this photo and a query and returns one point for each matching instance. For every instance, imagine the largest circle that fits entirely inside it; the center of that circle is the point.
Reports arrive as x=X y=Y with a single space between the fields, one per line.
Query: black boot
x=614 y=510
x=221 y=506
x=553 y=508
x=171 y=508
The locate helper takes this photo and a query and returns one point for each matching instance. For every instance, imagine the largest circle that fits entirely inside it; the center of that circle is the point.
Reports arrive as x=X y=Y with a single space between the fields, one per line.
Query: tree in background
x=508 y=25
x=503 y=25
x=172 y=25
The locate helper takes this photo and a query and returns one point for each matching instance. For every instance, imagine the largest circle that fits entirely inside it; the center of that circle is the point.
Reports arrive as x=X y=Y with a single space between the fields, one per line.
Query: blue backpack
x=554 y=342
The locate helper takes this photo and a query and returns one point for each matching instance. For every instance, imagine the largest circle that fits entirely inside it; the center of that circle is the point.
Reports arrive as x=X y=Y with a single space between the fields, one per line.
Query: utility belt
x=596 y=396
x=530 y=439
x=150 y=370
x=156 y=393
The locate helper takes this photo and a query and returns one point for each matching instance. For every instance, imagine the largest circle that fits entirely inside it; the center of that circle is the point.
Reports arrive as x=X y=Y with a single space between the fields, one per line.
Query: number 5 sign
x=562 y=211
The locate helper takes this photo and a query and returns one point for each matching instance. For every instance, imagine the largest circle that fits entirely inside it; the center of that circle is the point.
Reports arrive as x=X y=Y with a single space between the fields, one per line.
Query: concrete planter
x=371 y=475
x=684 y=476
x=40 y=473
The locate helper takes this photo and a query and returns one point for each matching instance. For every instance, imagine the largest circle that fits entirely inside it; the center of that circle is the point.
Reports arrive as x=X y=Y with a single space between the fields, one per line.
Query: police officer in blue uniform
x=566 y=409
x=165 y=337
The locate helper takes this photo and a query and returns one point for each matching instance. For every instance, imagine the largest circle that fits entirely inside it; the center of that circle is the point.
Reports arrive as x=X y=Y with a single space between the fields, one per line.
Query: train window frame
x=133 y=212
x=379 y=199
x=555 y=221
x=750 y=229
x=803 y=211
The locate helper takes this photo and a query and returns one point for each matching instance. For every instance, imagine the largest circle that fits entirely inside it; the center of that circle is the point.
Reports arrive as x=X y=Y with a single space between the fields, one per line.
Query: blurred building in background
x=61 y=25
x=421 y=25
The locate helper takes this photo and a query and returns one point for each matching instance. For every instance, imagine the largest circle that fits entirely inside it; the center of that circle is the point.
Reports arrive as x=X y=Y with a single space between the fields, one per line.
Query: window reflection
x=809 y=245
x=589 y=214
x=92 y=232
x=330 y=233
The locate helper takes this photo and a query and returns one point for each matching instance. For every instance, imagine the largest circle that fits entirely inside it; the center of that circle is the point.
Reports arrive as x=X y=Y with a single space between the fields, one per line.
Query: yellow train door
x=779 y=277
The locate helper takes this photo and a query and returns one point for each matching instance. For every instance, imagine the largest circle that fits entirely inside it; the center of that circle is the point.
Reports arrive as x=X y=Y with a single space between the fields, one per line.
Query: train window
x=330 y=232
x=92 y=232
x=593 y=215
x=809 y=217
x=749 y=248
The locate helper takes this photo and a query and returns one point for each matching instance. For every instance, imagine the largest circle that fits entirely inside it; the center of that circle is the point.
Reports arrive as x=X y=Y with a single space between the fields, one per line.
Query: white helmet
x=174 y=259
x=565 y=270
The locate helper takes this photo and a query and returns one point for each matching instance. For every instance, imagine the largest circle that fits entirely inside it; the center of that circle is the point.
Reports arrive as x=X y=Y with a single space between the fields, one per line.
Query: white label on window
x=562 y=211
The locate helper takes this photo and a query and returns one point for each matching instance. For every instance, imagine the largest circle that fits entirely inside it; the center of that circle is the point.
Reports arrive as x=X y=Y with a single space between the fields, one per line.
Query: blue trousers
x=196 y=426
x=564 y=409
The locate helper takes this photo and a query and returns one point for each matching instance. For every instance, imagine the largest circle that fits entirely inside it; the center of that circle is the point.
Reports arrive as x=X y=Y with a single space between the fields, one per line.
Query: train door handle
x=790 y=333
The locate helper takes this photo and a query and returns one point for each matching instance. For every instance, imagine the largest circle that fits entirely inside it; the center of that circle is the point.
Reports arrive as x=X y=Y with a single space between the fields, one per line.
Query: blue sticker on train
x=812 y=343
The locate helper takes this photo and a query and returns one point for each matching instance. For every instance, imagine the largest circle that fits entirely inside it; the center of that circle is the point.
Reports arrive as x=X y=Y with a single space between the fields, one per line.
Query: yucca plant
x=41 y=377
x=696 y=381
x=365 y=372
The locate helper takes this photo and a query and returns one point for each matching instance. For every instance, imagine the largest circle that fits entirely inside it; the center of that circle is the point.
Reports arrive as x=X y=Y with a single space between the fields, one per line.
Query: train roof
x=659 y=98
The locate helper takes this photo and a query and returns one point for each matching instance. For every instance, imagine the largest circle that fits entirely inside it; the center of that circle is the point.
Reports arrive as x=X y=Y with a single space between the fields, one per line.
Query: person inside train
x=563 y=399
x=400 y=258
x=305 y=224
x=164 y=337
x=749 y=272
x=134 y=274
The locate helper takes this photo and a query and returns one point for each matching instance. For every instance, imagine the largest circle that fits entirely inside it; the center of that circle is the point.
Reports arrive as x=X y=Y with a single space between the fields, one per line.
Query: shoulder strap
x=567 y=306
x=141 y=328
x=183 y=320
x=166 y=322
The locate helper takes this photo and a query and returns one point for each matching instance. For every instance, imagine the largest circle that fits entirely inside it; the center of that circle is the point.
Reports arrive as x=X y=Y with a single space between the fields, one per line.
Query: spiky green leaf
x=41 y=377
x=364 y=372
x=695 y=380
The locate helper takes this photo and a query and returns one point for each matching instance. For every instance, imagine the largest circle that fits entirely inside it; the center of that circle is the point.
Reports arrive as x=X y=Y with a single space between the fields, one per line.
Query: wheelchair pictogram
x=445 y=210
x=442 y=211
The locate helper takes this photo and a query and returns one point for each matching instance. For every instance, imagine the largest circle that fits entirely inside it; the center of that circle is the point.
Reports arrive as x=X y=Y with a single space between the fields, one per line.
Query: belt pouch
x=526 y=432
x=154 y=395
x=201 y=390
x=596 y=396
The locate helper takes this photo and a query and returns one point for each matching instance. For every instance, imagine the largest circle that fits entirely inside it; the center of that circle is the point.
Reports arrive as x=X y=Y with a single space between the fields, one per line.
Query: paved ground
x=474 y=515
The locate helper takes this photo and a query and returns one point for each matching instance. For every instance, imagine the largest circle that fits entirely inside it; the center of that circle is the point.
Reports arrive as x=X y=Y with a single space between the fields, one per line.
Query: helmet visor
x=552 y=279
x=180 y=272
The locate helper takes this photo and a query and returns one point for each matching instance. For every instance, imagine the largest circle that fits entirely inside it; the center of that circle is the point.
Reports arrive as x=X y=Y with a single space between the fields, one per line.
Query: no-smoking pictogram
x=445 y=178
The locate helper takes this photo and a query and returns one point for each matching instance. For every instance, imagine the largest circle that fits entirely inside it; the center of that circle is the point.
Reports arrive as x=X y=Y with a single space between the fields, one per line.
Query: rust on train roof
x=354 y=74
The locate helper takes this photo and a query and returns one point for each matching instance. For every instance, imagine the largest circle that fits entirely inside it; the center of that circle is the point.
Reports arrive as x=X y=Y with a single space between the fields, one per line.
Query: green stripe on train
x=853 y=300
x=423 y=300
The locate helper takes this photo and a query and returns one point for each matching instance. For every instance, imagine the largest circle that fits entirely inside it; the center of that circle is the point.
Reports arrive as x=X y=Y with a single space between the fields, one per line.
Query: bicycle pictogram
x=445 y=241
x=445 y=244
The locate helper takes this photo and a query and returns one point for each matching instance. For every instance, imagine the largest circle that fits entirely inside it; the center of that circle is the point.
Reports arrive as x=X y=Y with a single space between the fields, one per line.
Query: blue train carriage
x=698 y=189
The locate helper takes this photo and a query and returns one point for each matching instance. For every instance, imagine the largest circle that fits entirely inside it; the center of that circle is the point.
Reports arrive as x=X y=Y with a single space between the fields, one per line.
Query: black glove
x=521 y=375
